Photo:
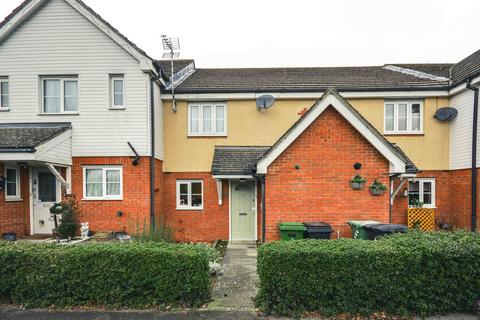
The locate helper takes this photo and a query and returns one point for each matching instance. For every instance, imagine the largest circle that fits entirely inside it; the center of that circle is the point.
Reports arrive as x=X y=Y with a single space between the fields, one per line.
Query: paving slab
x=237 y=287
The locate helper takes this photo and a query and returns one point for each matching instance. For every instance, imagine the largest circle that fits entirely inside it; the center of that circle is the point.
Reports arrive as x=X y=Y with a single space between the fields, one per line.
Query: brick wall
x=460 y=198
x=209 y=224
x=135 y=206
x=320 y=189
x=15 y=216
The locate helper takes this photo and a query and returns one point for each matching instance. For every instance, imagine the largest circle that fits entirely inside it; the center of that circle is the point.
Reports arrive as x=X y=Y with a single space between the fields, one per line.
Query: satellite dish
x=265 y=101
x=446 y=114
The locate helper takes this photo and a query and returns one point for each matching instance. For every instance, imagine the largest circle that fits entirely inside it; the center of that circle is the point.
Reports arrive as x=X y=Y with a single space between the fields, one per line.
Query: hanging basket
x=376 y=192
x=357 y=185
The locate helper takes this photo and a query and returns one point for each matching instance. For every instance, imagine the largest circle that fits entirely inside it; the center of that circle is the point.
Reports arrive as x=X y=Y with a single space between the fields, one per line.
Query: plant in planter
x=357 y=182
x=414 y=202
x=68 y=210
x=377 y=188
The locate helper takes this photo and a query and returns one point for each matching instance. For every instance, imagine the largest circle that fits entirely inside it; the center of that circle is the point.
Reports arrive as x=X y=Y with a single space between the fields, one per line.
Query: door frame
x=230 y=211
x=58 y=186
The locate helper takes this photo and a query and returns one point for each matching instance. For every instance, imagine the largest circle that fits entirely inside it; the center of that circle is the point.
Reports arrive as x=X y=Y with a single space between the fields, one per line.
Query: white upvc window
x=403 y=117
x=12 y=184
x=117 y=92
x=59 y=95
x=189 y=194
x=102 y=183
x=422 y=190
x=207 y=119
x=4 y=94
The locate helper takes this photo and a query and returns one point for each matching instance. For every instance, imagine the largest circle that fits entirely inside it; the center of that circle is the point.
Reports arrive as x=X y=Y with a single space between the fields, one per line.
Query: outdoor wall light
x=357 y=166
x=119 y=214
x=405 y=193
x=297 y=167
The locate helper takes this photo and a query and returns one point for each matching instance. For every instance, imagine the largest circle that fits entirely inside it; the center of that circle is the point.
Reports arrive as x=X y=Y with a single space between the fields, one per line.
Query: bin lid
x=386 y=227
x=292 y=226
x=360 y=223
x=317 y=225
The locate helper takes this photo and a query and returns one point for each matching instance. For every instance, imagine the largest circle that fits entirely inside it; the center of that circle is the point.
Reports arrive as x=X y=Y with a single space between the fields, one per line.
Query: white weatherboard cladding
x=159 y=150
x=461 y=132
x=58 y=40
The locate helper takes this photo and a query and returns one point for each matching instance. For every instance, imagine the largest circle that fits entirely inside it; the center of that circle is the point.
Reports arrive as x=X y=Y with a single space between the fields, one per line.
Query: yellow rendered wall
x=248 y=127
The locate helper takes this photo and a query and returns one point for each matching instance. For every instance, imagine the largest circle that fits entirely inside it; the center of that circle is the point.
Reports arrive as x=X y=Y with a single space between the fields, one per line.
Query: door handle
x=242 y=214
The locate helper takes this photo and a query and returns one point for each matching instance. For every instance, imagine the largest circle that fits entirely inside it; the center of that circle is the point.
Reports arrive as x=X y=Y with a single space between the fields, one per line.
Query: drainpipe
x=474 y=154
x=262 y=181
x=152 y=150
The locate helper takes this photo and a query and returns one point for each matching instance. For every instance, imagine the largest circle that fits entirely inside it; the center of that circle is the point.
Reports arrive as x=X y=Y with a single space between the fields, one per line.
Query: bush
x=110 y=275
x=421 y=273
x=68 y=220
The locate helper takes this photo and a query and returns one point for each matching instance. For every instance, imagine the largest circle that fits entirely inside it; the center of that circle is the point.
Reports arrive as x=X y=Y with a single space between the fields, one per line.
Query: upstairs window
x=117 y=92
x=207 y=119
x=12 y=184
x=4 y=94
x=403 y=117
x=59 y=95
x=421 y=190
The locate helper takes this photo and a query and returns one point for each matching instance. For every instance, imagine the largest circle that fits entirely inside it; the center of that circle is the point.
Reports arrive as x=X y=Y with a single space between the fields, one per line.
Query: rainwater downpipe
x=152 y=151
x=474 y=154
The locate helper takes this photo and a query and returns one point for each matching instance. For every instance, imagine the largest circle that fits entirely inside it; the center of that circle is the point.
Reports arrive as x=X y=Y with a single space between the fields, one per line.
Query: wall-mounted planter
x=357 y=185
x=376 y=192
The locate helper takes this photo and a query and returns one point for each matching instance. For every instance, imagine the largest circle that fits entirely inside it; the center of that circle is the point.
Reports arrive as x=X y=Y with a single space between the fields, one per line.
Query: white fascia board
x=17 y=156
x=18 y=19
x=233 y=177
x=146 y=64
x=396 y=164
x=305 y=95
x=463 y=86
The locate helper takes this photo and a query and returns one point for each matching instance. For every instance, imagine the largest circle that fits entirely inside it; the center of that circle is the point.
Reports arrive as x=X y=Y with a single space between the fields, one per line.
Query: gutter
x=474 y=154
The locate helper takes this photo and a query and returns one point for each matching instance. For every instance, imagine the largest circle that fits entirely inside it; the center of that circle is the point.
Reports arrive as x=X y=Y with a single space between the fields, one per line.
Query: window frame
x=113 y=78
x=421 y=182
x=213 y=119
x=189 y=206
x=18 y=195
x=4 y=80
x=62 y=80
x=409 y=104
x=104 y=195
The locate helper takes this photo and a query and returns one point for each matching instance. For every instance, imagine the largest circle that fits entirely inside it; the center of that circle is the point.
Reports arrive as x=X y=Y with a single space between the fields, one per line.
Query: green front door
x=243 y=212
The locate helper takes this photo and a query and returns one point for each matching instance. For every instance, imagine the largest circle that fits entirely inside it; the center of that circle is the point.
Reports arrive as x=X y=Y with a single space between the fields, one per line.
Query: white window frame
x=189 y=206
x=213 y=119
x=4 y=80
x=114 y=78
x=409 y=104
x=104 y=183
x=17 y=196
x=421 y=181
x=62 y=94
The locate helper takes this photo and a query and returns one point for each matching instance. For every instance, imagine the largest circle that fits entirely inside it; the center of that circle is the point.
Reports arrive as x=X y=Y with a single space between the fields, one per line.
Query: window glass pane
x=220 y=118
x=4 y=94
x=427 y=187
x=389 y=110
x=194 y=119
x=389 y=124
x=113 y=182
x=118 y=92
x=427 y=198
x=51 y=96
x=183 y=200
x=70 y=95
x=94 y=183
x=11 y=181
x=196 y=200
x=415 y=117
x=389 y=117
x=47 y=187
x=196 y=188
x=402 y=117
x=413 y=192
x=207 y=119
x=183 y=188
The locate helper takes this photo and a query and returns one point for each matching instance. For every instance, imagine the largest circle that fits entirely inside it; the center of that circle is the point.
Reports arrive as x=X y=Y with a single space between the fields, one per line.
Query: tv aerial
x=171 y=46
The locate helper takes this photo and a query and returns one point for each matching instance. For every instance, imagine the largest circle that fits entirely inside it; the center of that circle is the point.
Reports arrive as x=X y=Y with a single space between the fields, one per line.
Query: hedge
x=107 y=275
x=414 y=273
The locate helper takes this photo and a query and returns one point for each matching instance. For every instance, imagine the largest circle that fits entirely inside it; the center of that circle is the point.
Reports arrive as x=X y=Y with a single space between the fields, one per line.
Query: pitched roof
x=282 y=142
x=468 y=67
x=436 y=69
x=372 y=78
x=25 y=137
x=178 y=65
x=236 y=160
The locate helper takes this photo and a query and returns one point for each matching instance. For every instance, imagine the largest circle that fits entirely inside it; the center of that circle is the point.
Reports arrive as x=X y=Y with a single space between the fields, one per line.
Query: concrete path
x=237 y=287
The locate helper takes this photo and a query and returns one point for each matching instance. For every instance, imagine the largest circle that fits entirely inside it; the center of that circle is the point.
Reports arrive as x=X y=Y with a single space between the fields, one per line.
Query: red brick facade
x=319 y=190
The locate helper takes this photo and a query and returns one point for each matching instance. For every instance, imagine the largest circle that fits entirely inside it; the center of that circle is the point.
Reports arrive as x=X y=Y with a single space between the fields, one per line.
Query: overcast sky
x=261 y=33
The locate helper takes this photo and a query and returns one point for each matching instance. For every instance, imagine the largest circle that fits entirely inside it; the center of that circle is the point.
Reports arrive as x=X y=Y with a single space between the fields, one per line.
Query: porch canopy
x=38 y=144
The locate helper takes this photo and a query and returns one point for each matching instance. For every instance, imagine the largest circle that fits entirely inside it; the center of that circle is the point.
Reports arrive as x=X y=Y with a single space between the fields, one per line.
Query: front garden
x=415 y=273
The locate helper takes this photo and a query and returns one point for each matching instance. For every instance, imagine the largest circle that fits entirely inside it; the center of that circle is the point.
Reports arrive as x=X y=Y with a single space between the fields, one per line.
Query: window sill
x=3 y=109
x=403 y=134
x=60 y=114
x=116 y=108
x=189 y=209
x=102 y=199
x=192 y=135
x=13 y=199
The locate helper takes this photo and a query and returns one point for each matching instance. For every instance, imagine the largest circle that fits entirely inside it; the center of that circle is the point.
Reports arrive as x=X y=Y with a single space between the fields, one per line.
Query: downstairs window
x=421 y=191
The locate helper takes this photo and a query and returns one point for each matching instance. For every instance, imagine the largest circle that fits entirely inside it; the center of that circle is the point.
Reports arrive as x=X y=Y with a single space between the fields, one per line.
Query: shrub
x=420 y=273
x=111 y=275
x=68 y=221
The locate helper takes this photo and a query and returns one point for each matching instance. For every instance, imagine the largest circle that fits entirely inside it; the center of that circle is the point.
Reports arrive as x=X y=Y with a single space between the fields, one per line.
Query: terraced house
x=235 y=151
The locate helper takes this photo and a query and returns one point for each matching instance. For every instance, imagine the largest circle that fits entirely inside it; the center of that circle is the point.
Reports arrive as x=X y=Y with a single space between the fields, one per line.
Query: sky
x=278 y=33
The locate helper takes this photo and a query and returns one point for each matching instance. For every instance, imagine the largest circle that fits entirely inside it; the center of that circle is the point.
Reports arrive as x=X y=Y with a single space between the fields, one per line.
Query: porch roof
x=236 y=160
x=25 y=137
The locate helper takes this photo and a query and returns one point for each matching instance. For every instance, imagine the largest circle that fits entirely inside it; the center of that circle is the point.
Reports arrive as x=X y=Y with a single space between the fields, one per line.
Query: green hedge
x=420 y=273
x=111 y=275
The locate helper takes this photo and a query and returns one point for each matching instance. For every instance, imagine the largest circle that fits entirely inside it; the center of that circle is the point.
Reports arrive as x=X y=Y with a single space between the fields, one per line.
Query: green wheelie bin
x=292 y=230
x=357 y=228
